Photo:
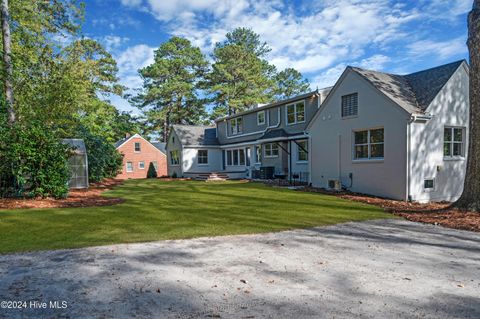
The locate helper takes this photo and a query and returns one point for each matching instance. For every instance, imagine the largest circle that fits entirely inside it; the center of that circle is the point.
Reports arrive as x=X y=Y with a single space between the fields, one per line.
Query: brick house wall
x=147 y=154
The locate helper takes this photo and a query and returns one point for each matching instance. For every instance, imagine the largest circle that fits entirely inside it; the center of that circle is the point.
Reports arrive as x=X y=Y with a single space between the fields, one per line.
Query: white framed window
x=174 y=157
x=271 y=149
x=236 y=126
x=454 y=142
x=155 y=165
x=295 y=113
x=350 y=105
x=141 y=165
x=258 y=153
x=261 y=118
x=368 y=144
x=129 y=167
x=137 y=147
x=236 y=157
x=302 y=151
x=429 y=184
x=202 y=157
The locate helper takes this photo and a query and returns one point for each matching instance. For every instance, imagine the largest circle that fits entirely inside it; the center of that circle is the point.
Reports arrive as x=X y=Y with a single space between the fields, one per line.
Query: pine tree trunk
x=470 y=199
x=7 y=61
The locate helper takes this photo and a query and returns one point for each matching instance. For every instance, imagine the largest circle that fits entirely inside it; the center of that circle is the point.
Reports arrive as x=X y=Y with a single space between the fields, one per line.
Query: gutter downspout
x=409 y=143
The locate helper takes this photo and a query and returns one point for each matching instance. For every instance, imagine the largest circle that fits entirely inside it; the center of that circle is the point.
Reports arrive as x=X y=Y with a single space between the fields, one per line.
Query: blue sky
x=317 y=37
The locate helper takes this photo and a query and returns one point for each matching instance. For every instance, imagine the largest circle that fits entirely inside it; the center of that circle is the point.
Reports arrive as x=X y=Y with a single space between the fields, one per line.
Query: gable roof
x=196 y=135
x=125 y=140
x=413 y=92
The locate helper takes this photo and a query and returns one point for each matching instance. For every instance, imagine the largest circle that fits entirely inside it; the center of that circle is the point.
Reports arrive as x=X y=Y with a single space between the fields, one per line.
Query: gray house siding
x=275 y=118
x=331 y=141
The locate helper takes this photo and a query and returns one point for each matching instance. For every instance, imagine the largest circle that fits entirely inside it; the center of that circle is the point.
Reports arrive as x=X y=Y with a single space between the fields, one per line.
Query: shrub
x=174 y=175
x=152 y=172
x=104 y=161
x=33 y=161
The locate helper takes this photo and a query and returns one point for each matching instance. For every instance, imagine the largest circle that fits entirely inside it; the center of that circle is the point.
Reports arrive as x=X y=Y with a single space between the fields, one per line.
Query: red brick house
x=138 y=153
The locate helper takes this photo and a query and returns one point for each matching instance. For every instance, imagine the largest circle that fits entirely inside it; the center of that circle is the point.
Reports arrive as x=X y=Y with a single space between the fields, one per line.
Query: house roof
x=196 y=135
x=267 y=106
x=274 y=133
x=157 y=145
x=413 y=92
x=76 y=143
x=160 y=146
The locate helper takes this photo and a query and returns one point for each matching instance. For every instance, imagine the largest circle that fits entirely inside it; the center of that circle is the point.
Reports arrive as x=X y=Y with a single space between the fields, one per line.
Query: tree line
x=182 y=81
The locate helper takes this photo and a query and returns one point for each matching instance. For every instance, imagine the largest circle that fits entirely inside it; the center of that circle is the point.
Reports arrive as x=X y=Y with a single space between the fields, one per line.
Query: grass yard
x=156 y=210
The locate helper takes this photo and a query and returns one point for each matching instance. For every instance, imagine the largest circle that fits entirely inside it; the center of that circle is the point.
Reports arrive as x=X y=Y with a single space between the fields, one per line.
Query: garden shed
x=78 y=163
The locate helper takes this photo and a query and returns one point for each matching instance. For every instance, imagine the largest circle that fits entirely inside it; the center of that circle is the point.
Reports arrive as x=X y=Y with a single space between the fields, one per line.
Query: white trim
x=452 y=142
x=271 y=150
x=429 y=190
x=198 y=158
x=126 y=167
x=143 y=165
x=275 y=139
x=368 y=144
x=264 y=118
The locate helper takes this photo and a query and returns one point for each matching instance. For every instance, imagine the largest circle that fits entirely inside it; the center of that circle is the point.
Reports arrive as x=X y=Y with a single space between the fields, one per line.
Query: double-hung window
x=296 y=113
x=141 y=165
x=202 y=157
x=129 y=167
x=368 y=144
x=453 y=142
x=137 y=147
x=302 y=151
x=174 y=157
x=236 y=126
x=261 y=118
x=350 y=105
x=271 y=149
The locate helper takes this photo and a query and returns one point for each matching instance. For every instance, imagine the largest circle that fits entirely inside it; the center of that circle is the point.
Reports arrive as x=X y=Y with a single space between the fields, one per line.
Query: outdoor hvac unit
x=335 y=184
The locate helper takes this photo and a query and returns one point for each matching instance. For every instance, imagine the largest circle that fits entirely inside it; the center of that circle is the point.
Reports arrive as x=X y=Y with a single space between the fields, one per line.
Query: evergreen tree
x=290 y=83
x=170 y=89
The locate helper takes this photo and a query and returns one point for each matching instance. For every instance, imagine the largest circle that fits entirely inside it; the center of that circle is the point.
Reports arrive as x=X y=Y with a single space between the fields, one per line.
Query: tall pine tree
x=170 y=88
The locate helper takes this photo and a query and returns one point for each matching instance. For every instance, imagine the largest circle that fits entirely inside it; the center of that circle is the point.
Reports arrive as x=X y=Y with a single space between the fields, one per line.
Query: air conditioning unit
x=335 y=184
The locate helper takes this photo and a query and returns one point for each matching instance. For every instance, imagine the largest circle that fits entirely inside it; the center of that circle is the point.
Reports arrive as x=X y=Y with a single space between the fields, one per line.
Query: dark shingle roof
x=275 y=133
x=160 y=146
x=413 y=92
x=196 y=135
x=120 y=142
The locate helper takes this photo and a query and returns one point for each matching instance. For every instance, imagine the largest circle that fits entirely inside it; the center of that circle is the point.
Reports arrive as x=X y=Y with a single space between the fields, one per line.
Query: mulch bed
x=76 y=198
x=432 y=213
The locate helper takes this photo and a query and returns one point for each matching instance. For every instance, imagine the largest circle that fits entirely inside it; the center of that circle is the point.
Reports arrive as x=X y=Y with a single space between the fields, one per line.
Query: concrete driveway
x=378 y=269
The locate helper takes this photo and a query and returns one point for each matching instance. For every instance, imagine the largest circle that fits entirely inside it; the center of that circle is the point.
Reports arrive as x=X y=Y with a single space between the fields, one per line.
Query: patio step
x=211 y=177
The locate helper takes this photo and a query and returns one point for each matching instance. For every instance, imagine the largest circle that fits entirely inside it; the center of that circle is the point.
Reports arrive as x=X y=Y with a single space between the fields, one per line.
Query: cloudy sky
x=317 y=37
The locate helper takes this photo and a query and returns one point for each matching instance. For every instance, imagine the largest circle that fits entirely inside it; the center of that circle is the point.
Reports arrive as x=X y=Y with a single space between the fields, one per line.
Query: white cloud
x=131 y=60
x=113 y=42
x=441 y=50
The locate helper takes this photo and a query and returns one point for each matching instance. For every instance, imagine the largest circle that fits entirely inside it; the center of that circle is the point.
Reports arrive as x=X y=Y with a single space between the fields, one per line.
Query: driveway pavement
x=378 y=269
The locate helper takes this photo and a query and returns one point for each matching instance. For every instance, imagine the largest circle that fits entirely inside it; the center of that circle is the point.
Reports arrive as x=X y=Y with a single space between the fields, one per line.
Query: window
x=202 y=157
x=350 y=105
x=296 y=113
x=141 y=165
x=271 y=150
x=302 y=151
x=236 y=126
x=129 y=167
x=137 y=146
x=174 y=157
x=261 y=118
x=453 y=142
x=429 y=184
x=369 y=144
x=236 y=157
x=155 y=165
x=258 y=154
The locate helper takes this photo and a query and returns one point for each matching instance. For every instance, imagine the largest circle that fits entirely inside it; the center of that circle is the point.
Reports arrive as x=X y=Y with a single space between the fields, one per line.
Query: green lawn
x=156 y=210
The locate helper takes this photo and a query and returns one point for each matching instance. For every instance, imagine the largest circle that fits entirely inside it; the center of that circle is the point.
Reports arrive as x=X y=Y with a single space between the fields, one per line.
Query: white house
x=396 y=136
